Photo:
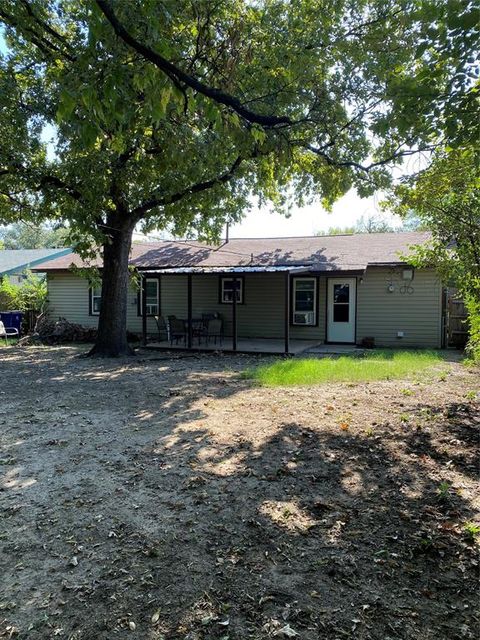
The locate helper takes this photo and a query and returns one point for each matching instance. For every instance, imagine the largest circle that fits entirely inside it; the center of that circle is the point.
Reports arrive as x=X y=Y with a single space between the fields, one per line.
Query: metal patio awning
x=234 y=270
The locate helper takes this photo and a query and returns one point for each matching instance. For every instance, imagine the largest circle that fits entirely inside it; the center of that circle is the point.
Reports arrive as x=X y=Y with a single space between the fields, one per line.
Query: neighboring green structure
x=331 y=289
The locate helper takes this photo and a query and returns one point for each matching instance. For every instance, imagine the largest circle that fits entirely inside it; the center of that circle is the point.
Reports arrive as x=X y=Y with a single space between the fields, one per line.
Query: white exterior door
x=341 y=311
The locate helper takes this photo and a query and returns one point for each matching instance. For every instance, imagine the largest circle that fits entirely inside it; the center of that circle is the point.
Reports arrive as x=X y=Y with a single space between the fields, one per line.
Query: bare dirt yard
x=167 y=497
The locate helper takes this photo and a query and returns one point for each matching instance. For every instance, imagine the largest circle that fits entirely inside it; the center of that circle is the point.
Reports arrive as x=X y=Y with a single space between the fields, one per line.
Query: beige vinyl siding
x=173 y=296
x=68 y=297
x=261 y=314
x=134 y=321
x=381 y=314
x=318 y=332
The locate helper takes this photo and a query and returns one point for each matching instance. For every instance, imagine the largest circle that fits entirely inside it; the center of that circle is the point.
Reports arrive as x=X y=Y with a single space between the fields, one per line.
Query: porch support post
x=234 y=314
x=286 y=331
x=189 y=310
x=144 y=309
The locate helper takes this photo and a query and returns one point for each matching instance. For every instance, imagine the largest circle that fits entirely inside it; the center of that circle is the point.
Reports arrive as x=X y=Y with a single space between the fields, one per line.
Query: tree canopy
x=446 y=199
x=365 y=224
x=174 y=115
x=28 y=236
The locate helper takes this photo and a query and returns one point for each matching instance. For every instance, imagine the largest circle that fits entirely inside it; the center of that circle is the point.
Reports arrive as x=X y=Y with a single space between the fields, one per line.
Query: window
x=152 y=297
x=227 y=288
x=95 y=300
x=304 y=301
x=341 y=303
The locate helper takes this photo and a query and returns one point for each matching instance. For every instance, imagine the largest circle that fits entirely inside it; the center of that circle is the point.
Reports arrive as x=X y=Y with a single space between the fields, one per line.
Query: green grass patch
x=378 y=365
x=11 y=342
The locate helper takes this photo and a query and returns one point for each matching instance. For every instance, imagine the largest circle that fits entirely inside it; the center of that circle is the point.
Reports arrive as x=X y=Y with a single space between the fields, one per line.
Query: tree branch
x=44 y=181
x=59 y=184
x=174 y=72
x=46 y=26
x=47 y=47
x=356 y=30
x=366 y=168
x=147 y=206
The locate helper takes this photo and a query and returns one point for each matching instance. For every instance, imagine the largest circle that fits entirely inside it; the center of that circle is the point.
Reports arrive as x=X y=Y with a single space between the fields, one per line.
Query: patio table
x=198 y=327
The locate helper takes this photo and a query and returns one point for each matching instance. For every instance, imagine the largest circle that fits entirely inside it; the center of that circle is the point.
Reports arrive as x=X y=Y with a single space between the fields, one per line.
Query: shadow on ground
x=166 y=498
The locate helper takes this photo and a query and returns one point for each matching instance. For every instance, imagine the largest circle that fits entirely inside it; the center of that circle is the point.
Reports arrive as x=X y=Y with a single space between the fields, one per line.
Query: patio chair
x=199 y=328
x=203 y=333
x=215 y=330
x=5 y=332
x=177 y=330
x=162 y=328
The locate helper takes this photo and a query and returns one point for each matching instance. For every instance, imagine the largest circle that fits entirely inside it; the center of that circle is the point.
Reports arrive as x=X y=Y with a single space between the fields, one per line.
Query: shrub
x=8 y=295
x=473 y=347
x=29 y=297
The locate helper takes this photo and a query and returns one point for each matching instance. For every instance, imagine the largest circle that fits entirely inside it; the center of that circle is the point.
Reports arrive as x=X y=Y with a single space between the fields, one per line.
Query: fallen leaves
x=286 y=632
x=237 y=519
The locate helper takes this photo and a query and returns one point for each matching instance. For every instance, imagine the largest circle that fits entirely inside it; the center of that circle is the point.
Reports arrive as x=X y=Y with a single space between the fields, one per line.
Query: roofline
x=219 y=270
x=396 y=263
x=320 y=235
x=232 y=270
x=33 y=263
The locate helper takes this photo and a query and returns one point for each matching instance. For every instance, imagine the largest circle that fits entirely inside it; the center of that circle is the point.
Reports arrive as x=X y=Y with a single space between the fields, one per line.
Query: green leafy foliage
x=376 y=224
x=31 y=295
x=178 y=115
x=371 y=224
x=472 y=303
x=118 y=118
x=444 y=490
x=29 y=236
x=8 y=295
x=446 y=198
x=471 y=531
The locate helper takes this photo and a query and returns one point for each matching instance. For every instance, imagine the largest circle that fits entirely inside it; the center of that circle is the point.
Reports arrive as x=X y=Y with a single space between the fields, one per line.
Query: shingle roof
x=17 y=260
x=319 y=253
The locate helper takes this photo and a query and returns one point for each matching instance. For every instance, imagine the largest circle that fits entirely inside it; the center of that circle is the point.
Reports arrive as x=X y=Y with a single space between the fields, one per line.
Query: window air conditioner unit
x=306 y=317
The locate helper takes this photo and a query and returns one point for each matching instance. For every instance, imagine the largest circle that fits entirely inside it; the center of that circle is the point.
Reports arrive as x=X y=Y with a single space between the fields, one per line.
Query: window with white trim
x=227 y=287
x=95 y=300
x=152 y=297
x=304 y=301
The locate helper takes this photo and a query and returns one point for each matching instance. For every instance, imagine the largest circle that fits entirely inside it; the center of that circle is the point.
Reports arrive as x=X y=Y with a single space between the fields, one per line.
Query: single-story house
x=15 y=262
x=281 y=293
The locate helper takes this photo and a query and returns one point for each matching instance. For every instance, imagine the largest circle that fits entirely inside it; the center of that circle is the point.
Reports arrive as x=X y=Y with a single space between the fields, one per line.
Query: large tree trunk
x=112 y=323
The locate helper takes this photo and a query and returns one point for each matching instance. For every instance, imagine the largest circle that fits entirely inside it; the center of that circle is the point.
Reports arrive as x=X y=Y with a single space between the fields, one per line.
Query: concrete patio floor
x=244 y=345
x=335 y=349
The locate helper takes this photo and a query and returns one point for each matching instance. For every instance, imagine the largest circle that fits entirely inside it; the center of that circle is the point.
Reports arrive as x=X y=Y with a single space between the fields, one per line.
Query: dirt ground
x=166 y=497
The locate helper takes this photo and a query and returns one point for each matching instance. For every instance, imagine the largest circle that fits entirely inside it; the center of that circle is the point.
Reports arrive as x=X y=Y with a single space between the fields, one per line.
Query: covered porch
x=243 y=345
x=258 y=321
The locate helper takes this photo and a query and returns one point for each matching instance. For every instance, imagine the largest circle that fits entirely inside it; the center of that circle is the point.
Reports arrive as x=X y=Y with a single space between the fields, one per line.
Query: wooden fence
x=456 y=320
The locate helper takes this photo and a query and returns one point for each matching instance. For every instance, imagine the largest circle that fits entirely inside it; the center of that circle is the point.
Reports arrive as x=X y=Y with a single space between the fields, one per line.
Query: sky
x=312 y=219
